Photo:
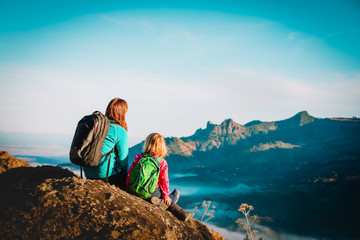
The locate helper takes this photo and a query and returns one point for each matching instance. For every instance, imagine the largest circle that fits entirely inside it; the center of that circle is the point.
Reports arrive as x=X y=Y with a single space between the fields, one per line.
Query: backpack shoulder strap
x=108 y=167
x=158 y=159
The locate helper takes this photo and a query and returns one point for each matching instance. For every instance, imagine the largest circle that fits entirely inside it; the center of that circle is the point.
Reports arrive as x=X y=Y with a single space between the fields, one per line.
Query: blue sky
x=178 y=64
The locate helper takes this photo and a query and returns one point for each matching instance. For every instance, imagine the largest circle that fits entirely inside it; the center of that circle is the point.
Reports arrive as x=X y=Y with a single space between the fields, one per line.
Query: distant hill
x=301 y=129
x=296 y=165
x=230 y=132
x=297 y=171
x=302 y=148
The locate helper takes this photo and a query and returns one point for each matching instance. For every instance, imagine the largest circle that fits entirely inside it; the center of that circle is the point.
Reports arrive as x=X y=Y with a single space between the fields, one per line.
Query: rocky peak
x=215 y=136
x=209 y=124
x=299 y=119
x=305 y=117
x=230 y=127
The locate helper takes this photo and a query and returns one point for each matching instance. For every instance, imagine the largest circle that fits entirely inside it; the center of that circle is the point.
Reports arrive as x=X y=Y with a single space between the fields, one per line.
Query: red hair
x=116 y=110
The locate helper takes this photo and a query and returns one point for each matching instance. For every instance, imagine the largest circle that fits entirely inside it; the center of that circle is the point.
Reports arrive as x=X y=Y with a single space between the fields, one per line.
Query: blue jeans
x=157 y=193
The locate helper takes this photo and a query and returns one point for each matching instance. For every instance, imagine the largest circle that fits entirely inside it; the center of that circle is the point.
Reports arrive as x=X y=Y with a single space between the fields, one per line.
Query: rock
x=52 y=203
x=8 y=162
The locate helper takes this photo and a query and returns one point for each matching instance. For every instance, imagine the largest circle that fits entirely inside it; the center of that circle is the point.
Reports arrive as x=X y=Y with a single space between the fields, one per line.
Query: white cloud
x=179 y=38
x=125 y=19
x=217 y=66
x=31 y=150
x=264 y=231
x=116 y=21
x=53 y=101
x=292 y=36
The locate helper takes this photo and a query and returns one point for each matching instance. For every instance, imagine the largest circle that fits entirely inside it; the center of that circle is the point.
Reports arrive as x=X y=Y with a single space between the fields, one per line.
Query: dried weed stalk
x=207 y=214
x=246 y=222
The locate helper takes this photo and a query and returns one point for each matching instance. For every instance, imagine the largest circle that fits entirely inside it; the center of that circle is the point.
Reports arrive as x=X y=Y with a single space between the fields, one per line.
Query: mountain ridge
x=287 y=164
x=228 y=132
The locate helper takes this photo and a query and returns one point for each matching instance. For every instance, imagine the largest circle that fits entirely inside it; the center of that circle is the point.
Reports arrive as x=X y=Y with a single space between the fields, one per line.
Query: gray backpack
x=88 y=140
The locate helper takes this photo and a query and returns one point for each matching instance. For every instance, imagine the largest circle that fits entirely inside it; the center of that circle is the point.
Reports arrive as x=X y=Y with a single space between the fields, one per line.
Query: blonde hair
x=155 y=145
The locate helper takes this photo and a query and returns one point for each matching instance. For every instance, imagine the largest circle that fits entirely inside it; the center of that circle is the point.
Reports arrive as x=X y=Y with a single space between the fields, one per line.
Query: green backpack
x=145 y=176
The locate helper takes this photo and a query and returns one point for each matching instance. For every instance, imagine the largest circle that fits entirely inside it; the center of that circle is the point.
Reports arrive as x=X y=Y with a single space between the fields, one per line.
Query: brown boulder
x=8 y=162
x=53 y=203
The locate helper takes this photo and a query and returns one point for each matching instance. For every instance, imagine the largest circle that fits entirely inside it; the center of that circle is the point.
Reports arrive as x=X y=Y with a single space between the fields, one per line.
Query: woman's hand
x=167 y=201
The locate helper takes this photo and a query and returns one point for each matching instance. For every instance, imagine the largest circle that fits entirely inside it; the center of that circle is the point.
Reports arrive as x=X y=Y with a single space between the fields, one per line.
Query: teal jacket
x=118 y=137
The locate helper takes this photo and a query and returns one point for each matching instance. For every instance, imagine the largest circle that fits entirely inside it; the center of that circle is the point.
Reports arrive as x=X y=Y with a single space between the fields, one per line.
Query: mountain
x=52 y=203
x=300 y=136
x=213 y=136
x=231 y=133
x=302 y=142
x=295 y=171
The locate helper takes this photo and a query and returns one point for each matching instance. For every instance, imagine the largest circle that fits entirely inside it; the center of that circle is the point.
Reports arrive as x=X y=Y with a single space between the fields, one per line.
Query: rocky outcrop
x=8 y=162
x=178 y=146
x=215 y=136
x=300 y=119
x=52 y=203
x=230 y=133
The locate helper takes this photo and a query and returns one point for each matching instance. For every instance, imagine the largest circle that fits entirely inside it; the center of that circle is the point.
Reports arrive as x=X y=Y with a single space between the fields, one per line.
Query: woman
x=117 y=138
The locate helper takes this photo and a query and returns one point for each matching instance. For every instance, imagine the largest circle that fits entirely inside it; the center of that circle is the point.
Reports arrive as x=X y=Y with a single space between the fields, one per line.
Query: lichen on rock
x=52 y=203
x=8 y=162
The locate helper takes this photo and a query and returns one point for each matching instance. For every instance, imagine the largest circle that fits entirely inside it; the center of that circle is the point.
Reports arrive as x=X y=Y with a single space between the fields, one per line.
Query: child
x=155 y=146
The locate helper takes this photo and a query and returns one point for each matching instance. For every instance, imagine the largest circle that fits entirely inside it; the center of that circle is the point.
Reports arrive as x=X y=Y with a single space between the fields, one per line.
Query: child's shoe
x=180 y=213
x=159 y=202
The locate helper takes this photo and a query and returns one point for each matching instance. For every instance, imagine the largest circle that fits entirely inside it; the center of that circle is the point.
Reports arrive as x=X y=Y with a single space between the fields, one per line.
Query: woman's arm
x=122 y=148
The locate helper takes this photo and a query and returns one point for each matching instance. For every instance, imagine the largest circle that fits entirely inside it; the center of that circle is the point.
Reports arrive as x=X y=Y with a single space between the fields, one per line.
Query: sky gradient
x=178 y=64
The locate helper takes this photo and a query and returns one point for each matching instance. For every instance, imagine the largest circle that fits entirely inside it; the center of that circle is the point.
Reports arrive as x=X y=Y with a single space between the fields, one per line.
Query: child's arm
x=164 y=179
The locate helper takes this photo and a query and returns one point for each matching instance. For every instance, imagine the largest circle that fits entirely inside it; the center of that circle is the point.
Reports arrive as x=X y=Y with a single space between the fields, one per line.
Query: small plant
x=206 y=215
x=246 y=222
